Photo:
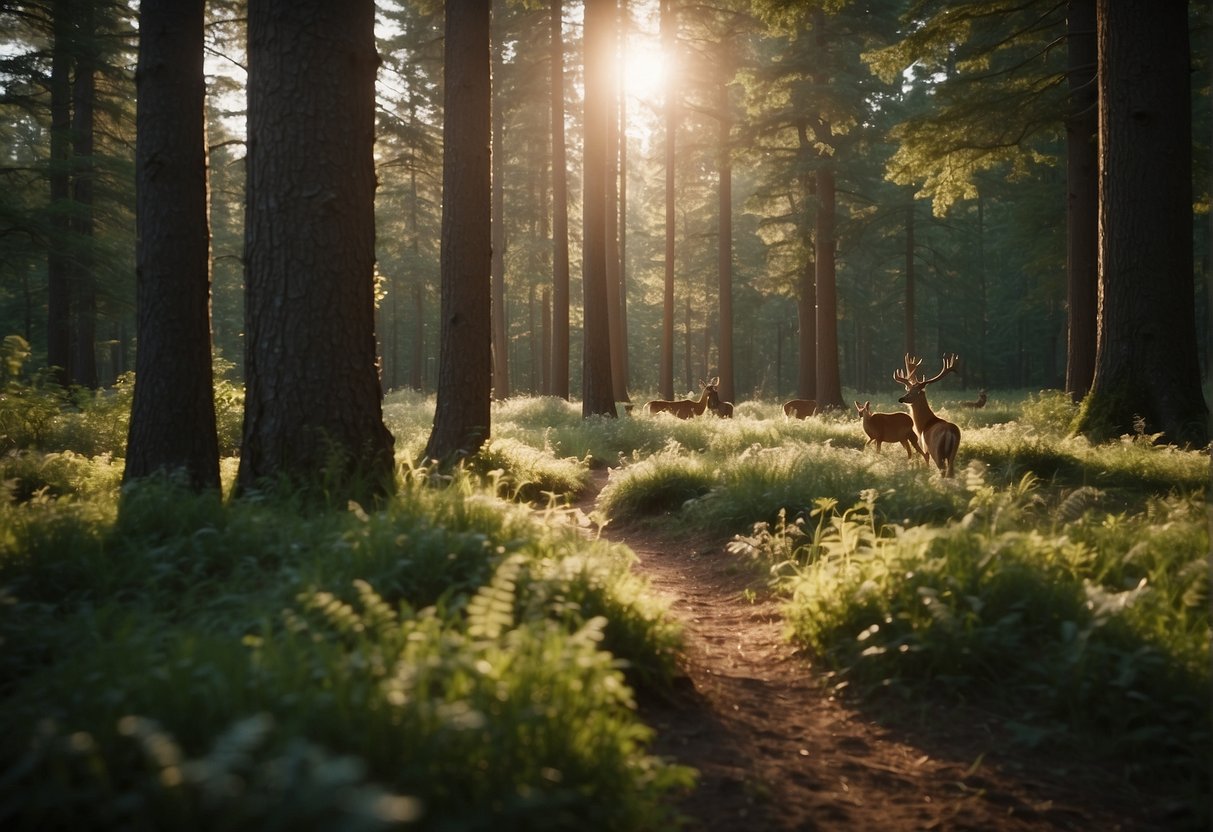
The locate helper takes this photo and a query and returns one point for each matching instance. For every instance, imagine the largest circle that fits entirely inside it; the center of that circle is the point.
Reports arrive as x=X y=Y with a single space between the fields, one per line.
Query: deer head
x=915 y=386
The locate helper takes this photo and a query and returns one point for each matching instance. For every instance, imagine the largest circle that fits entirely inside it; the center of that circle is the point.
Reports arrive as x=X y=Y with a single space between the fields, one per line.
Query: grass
x=467 y=655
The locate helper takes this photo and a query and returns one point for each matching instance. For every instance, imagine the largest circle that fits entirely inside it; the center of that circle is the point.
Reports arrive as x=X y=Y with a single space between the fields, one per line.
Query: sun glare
x=643 y=71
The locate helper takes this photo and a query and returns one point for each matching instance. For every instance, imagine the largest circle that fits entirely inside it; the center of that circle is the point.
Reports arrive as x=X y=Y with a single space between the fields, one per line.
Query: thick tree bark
x=1146 y=364
x=598 y=397
x=172 y=425
x=829 y=388
x=614 y=139
x=84 y=364
x=501 y=324
x=58 y=265
x=622 y=206
x=724 y=231
x=1082 y=203
x=806 y=296
x=910 y=303
x=669 y=26
x=462 y=416
x=560 y=215
x=313 y=401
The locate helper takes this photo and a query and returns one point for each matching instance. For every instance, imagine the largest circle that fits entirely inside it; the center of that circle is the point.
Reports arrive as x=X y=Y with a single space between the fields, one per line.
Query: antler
x=906 y=377
x=949 y=366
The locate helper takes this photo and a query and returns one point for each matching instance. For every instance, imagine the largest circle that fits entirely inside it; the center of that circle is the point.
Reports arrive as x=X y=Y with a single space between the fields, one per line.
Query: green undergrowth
x=1085 y=630
x=466 y=656
x=452 y=661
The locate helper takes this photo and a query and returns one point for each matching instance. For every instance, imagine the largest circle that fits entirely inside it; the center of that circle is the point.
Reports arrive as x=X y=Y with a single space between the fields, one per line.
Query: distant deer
x=889 y=427
x=940 y=438
x=688 y=408
x=980 y=403
x=799 y=408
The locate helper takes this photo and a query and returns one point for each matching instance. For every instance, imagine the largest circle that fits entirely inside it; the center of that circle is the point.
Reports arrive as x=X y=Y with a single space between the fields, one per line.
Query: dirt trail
x=776 y=751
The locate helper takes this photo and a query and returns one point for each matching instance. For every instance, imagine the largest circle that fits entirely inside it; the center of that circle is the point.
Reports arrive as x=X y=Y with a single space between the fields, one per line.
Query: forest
x=352 y=352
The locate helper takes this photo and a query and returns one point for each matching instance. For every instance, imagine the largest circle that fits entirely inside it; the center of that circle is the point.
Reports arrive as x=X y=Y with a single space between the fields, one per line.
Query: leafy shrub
x=1096 y=627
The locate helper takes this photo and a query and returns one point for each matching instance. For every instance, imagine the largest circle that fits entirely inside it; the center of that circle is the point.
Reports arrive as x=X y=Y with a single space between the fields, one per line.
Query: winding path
x=777 y=751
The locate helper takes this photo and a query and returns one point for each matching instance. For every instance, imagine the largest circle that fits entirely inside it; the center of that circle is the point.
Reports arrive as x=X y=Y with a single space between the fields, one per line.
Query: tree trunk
x=313 y=401
x=806 y=336
x=501 y=324
x=909 y=296
x=806 y=299
x=598 y=397
x=560 y=215
x=614 y=138
x=172 y=425
x=1082 y=203
x=668 y=39
x=829 y=389
x=545 y=344
x=461 y=420
x=1146 y=364
x=622 y=207
x=58 y=265
x=724 y=261
x=417 y=365
x=84 y=364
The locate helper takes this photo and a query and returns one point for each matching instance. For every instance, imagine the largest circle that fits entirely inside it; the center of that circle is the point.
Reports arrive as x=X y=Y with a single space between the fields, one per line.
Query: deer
x=722 y=409
x=799 y=408
x=980 y=403
x=689 y=408
x=889 y=427
x=940 y=438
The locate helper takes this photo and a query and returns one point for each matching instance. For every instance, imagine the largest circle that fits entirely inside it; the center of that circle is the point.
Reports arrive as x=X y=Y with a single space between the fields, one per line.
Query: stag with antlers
x=940 y=438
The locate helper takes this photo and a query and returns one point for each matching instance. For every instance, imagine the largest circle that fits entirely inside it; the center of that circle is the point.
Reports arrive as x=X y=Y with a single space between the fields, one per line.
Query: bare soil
x=777 y=749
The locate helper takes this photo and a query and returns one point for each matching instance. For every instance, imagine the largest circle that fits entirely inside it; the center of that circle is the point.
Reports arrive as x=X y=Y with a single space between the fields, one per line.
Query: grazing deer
x=889 y=427
x=799 y=408
x=688 y=408
x=940 y=438
x=980 y=403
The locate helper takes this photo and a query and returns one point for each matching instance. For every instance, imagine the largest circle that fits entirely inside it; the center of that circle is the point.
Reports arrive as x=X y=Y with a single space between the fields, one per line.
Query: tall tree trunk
x=806 y=305
x=806 y=334
x=598 y=397
x=461 y=419
x=983 y=311
x=1082 y=203
x=172 y=425
x=614 y=279
x=545 y=344
x=668 y=40
x=1146 y=363
x=724 y=232
x=560 y=215
x=501 y=324
x=84 y=364
x=624 y=25
x=58 y=265
x=417 y=364
x=829 y=388
x=910 y=302
x=417 y=289
x=313 y=400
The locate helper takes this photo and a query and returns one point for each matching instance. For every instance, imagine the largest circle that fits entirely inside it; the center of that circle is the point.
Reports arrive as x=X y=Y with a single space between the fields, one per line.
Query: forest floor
x=777 y=750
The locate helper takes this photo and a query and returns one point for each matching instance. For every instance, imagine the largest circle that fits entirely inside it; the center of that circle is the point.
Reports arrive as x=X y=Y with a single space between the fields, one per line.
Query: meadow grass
x=466 y=655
